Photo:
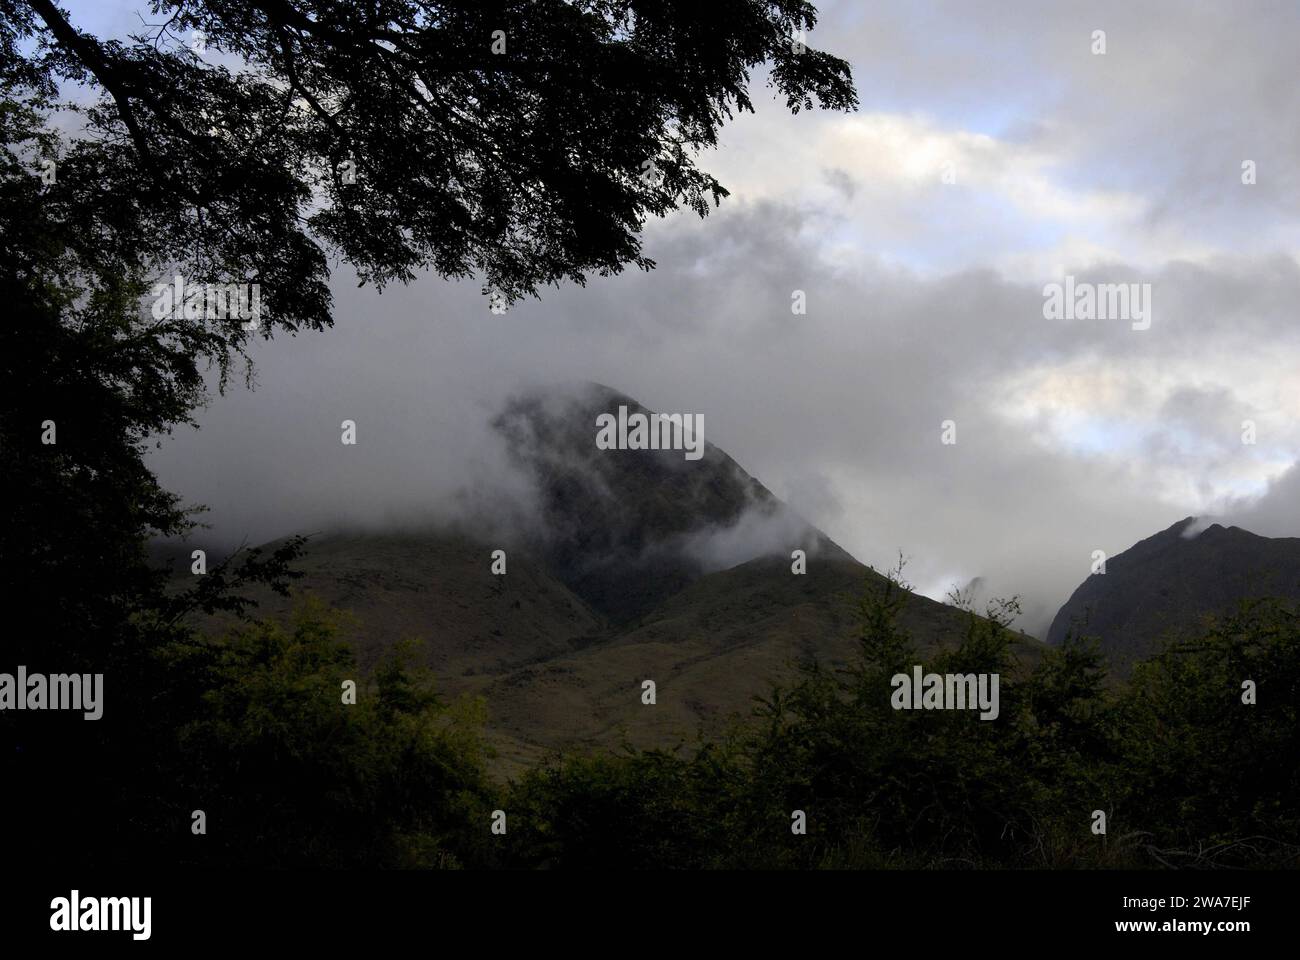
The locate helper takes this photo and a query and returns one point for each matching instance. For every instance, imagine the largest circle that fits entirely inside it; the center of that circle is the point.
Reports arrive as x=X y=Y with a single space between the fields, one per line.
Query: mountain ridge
x=1170 y=581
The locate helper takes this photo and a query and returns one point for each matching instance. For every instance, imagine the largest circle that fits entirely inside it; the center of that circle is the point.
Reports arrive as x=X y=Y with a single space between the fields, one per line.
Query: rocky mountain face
x=625 y=529
x=1169 y=582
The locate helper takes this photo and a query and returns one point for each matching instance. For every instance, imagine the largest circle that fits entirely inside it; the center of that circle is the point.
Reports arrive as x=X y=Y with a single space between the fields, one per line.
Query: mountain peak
x=1171 y=580
x=625 y=528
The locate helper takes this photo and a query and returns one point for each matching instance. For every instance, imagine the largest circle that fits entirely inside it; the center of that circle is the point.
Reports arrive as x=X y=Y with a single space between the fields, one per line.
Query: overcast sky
x=924 y=304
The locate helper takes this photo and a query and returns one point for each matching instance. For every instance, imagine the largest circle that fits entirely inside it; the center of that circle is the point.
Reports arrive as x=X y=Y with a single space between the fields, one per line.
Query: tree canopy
x=519 y=141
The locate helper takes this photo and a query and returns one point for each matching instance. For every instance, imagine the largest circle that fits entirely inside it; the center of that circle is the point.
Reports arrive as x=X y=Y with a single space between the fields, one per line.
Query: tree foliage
x=258 y=136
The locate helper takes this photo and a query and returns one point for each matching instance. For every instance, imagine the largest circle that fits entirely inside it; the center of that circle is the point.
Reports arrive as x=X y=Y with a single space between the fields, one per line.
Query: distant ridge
x=1171 y=581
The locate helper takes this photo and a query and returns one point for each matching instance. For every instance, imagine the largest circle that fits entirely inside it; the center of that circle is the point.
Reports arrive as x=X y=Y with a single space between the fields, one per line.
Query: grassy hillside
x=555 y=675
x=437 y=587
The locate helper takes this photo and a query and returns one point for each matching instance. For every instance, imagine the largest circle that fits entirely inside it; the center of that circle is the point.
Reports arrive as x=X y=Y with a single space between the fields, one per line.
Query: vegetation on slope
x=1185 y=771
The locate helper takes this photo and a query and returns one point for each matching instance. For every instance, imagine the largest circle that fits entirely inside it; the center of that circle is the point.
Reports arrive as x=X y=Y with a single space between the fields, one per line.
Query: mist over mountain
x=621 y=565
x=623 y=528
x=1172 y=580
